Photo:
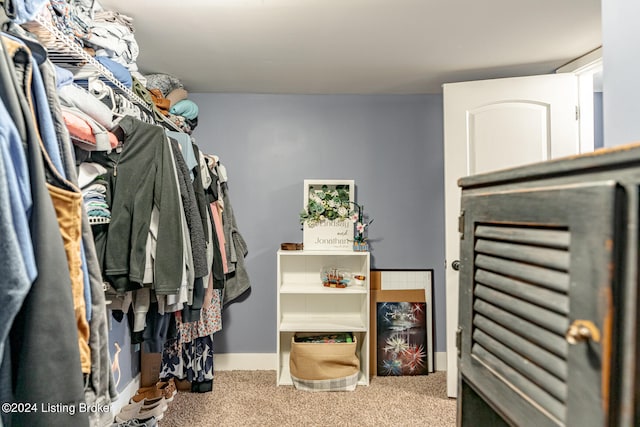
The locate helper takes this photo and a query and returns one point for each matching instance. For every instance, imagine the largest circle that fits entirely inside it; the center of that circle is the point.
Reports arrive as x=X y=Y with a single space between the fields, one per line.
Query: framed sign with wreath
x=326 y=215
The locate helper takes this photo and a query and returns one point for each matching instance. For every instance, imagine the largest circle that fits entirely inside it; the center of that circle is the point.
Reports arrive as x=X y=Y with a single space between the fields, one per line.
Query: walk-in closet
x=250 y=212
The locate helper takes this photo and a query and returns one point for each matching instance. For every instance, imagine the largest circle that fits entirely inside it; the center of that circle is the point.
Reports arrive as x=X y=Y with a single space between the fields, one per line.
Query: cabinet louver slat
x=545 y=257
x=514 y=311
x=531 y=351
x=547 y=403
x=545 y=298
x=552 y=279
x=520 y=310
x=549 y=383
x=549 y=238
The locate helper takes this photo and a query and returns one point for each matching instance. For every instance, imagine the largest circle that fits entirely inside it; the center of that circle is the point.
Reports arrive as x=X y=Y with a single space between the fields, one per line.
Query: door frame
x=585 y=68
x=588 y=68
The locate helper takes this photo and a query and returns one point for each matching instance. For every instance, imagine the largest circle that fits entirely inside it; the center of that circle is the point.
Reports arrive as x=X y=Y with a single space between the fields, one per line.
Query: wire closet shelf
x=66 y=53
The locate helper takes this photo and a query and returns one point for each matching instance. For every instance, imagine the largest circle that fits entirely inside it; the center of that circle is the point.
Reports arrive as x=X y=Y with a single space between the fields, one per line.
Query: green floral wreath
x=326 y=204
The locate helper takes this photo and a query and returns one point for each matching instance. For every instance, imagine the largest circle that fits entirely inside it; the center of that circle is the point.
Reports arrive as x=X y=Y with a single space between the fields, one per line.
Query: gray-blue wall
x=391 y=145
x=621 y=84
x=129 y=356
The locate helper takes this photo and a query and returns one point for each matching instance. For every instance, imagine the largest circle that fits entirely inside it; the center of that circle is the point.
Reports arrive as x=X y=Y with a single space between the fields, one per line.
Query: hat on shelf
x=165 y=82
x=185 y=108
x=177 y=95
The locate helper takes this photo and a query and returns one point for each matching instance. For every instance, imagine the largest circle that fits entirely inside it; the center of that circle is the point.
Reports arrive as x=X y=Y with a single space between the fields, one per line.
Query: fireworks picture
x=401 y=338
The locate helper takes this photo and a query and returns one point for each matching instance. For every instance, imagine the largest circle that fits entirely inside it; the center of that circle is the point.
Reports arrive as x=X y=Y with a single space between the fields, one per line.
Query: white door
x=497 y=124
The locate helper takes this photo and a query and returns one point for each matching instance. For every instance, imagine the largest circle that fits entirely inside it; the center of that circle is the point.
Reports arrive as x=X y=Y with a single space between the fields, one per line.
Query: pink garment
x=81 y=131
x=211 y=313
x=209 y=292
x=217 y=218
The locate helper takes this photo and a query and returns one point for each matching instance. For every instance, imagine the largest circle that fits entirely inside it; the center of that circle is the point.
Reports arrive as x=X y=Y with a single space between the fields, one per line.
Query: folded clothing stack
x=95 y=201
x=94 y=192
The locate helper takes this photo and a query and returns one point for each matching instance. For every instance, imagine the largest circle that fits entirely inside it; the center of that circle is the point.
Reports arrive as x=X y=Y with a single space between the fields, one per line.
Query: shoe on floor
x=149 y=422
x=142 y=410
x=202 y=386
x=145 y=404
x=168 y=388
x=148 y=393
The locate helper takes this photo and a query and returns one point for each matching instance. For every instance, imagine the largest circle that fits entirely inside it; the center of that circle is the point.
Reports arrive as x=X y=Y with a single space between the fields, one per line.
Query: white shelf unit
x=305 y=305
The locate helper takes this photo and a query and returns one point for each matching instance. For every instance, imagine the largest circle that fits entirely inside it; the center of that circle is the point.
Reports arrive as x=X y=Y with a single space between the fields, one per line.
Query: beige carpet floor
x=251 y=398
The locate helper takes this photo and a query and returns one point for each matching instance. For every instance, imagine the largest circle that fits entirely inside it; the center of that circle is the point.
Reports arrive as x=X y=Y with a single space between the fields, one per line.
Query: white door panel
x=525 y=139
x=497 y=124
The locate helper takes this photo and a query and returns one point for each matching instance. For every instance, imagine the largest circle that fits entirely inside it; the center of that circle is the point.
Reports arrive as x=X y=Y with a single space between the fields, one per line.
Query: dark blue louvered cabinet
x=548 y=326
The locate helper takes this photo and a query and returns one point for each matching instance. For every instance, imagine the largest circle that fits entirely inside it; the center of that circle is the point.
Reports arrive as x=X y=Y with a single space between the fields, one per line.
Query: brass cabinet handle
x=581 y=331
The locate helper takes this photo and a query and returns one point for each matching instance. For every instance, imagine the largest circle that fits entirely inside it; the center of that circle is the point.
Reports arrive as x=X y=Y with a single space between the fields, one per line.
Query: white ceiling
x=356 y=46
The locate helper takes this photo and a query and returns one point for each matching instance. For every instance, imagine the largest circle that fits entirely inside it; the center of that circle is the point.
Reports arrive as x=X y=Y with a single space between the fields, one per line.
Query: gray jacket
x=237 y=279
x=140 y=177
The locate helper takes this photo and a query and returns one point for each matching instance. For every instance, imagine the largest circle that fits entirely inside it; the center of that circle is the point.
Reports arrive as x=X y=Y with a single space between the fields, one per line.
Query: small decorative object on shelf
x=333 y=277
x=291 y=246
x=359 y=280
x=360 y=243
x=360 y=246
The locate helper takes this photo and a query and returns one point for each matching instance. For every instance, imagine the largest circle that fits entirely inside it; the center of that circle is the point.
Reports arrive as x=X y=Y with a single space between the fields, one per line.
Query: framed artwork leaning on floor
x=401 y=322
x=401 y=338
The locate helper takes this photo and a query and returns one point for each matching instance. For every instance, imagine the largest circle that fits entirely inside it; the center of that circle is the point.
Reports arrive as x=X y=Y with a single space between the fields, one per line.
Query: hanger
x=9 y=9
x=105 y=93
x=7 y=13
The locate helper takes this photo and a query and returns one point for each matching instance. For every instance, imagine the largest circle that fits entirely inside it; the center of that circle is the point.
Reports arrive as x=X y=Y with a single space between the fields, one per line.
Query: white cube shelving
x=305 y=305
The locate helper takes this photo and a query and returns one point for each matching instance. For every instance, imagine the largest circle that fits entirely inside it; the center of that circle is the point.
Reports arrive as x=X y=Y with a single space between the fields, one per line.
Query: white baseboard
x=125 y=395
x=269 y=361
x=440 y=358
x=245 y=362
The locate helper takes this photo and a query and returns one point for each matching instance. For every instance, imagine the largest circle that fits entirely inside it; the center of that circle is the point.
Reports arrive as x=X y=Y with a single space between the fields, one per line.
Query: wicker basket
x=324 y=366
